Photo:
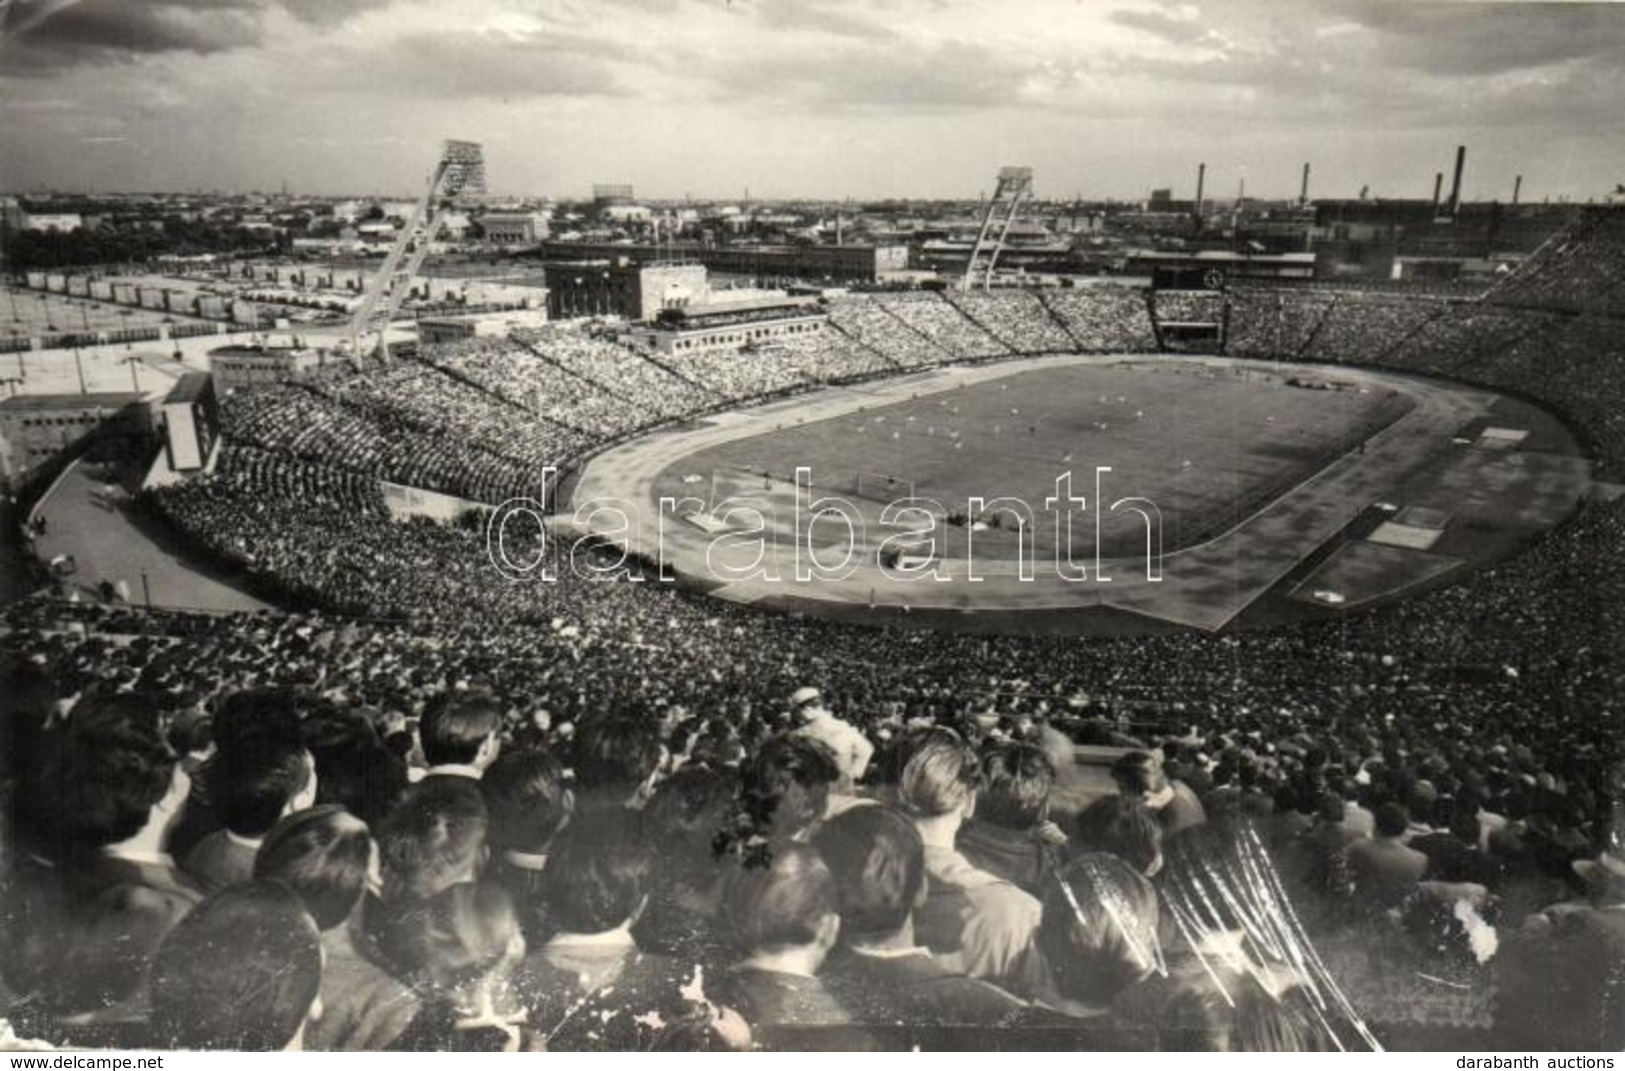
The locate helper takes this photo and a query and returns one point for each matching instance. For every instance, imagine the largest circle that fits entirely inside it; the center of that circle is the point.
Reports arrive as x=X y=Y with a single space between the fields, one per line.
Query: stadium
x=1229 y=663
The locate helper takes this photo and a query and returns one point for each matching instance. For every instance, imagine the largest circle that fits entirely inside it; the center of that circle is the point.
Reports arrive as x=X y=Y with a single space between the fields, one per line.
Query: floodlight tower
x=1015 y=185
x=460 y=170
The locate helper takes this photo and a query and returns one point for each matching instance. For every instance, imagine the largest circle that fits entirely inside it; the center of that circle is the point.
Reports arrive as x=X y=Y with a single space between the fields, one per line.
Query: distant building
x=514 y=228
x=248 y=367
x=621 y=289
x=611 y=193
x=37 y=428
x=732 y=325
x=52 y=221
x=434 y=329
x=846 y=263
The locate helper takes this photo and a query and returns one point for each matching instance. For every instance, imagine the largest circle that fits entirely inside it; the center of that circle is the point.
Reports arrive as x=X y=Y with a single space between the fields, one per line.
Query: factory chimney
x=1517 y=188
x=1438 y=187
x=1201 y=179
x=1303 y=191
x=1455 y=183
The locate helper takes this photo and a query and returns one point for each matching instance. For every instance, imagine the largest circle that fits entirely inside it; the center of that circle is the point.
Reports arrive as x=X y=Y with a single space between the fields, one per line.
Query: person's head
x=254 y=787
x=434 y=838
x=528 y=800
x=617 y=752
x=1204 y=881
x=461 y=728
x=785 y=784
x=101 y=780
x=354 y=768
x=1016 y=783
x=244 y=719
x=597 y=877
x=1140 y=774
x=788 y=905
x=1392 y=820
x=1603 y=877
x=685 y=818
x=878 y=862
x=469 y=937
x=1329 y=808
x=241 y=971
x=1121 y=826
x=325 y=855
x=1098 y=931
x=806 y=702
x=939 y=778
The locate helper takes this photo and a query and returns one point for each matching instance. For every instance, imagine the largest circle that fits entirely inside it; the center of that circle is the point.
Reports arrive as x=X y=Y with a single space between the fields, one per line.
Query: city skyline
x=815 y=100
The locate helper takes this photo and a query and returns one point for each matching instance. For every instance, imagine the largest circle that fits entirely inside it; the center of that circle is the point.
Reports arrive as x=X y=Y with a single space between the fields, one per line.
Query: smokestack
x=1517 y=188
x=1455 y=183
x=1303 y=191
x=1438 y=187
x=1201 y=179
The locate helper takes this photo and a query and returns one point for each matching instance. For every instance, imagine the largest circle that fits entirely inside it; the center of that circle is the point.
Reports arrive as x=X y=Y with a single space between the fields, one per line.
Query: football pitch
x=1208 y=444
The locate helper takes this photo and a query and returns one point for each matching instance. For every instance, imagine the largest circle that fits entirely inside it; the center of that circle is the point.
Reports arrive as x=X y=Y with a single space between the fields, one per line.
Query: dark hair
x=323 y=855
x=939 y=776
x=528 y=800
x=1016 y=783
x=780 y=904
x=455 y=724
x=616 y=750
x=353 y=767
x=1139 y=772
x=433 y=838
x=95 y=788
x=784 y=786
x=253 y=786
x=878 y=862
x=1122 y=826
x=686 y=814
x=1098 y=931
x=245 y=718
x=1392 y=819
x=597 y=874
x=240 y=972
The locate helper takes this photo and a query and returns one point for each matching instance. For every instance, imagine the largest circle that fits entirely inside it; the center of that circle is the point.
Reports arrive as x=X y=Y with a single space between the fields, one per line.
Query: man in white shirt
x=852 y=749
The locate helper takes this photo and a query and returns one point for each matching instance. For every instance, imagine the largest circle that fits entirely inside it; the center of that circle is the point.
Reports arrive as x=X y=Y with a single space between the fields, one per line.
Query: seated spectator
x=433 y=839
x=589 y=985
x=459 y=962
x=243 y=971
x=1384 y=870
x=979 y=923
x=1120 y=826
x=879 y=974
x=852 y=750
x=684 y=832
x=1453 y=853
x=81 y=925
x=1098 y=936
x=1140 y=775
x=1010 y=837
x=786 y=921
x=327 y=857
x=529 y=803
x=253 y=788
x=459 y=734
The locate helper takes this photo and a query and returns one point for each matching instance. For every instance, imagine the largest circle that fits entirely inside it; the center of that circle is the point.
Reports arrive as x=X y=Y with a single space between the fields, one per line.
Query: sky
x=813 y=98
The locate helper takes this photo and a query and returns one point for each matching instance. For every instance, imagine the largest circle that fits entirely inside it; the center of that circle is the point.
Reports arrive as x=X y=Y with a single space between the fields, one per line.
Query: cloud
x=1490 y=38
x=119 y=30
x=1172 y=28
x=836 y=20
x=490 y=65
x=329 y=12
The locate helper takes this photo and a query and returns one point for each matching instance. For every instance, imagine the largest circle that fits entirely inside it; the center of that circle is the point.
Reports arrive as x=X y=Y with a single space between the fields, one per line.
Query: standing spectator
x=852 y=750
x=243 y=971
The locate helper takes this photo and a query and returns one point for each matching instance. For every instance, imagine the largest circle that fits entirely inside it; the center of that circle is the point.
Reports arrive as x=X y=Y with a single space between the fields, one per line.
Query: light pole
x=146 y=590
x=79 y=366
x=135 y=375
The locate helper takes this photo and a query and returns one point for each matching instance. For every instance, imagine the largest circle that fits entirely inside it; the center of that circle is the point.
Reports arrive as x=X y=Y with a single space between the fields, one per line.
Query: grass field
x=1206 y=445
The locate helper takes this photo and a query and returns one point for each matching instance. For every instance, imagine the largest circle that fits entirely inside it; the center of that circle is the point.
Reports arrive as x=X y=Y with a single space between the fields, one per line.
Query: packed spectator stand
x=614 y=815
